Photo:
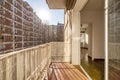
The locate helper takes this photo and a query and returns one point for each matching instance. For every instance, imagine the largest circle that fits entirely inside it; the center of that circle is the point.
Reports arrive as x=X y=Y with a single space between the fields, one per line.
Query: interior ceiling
x=94 y=5
x=56 y=4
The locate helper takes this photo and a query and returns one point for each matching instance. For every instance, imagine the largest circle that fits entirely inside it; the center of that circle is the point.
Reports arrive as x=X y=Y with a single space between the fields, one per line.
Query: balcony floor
x=65 y=71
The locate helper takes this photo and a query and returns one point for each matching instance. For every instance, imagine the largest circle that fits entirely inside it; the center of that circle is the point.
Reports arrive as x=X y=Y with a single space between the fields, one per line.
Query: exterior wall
x=96 y=19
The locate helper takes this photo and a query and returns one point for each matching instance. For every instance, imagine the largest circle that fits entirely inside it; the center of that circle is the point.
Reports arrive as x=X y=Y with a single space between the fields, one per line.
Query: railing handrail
x=20 y=51
x=26 y=49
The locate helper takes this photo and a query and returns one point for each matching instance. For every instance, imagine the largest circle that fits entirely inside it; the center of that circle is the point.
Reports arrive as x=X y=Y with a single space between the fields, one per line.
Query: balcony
x=49 y=61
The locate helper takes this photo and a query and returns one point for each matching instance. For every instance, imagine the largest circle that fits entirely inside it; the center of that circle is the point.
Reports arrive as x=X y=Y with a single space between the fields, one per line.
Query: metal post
x=106 y=39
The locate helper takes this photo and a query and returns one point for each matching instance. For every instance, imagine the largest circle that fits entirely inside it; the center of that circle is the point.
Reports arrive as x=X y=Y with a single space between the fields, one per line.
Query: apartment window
x=11 y=8
x=3 y=29
x=4 y=12
x=16 y=24
x=1 y=37
x=16 y=18
x=11 y=23
x=15 y=3
x=16 y=11
x=0 y=8
x=12 y=1
x=0 y=17
x=3 y=2
x=2 y=46
x=16 y=45
x=16 y=31
x=11 y=15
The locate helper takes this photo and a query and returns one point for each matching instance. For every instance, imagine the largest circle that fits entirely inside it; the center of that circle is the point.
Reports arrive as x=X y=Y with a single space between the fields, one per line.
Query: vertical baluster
x=27 y=64
x=20 y=66
x=3 y=69
x=9 y=66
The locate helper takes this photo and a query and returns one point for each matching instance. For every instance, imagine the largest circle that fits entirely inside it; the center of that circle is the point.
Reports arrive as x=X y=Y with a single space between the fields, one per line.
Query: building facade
x=56 y=33
x=60 y=32
x=20 y=27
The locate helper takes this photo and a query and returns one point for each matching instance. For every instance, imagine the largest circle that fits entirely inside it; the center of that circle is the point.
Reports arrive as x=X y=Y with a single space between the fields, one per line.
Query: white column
x=76 y=38
x=106 y=40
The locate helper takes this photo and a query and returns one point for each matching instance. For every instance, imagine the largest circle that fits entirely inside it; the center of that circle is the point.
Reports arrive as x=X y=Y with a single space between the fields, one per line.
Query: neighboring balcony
x=44 y=62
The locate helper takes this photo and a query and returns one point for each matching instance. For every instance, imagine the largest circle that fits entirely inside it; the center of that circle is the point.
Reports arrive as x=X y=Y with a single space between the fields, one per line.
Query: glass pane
x=114 y=39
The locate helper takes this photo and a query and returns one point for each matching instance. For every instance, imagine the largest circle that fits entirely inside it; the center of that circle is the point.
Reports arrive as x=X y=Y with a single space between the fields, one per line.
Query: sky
x=50 y=16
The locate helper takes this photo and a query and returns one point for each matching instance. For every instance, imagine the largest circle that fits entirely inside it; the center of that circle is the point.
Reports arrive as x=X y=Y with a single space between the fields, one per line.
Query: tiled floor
x=94 y=68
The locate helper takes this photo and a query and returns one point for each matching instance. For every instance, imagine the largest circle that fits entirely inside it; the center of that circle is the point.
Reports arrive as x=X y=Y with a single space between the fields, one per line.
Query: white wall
x=89 y=32
x=96 y=18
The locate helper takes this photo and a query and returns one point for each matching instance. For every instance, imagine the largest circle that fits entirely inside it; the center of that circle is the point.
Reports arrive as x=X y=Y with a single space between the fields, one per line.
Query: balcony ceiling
x=61 y=4
x=56 y=4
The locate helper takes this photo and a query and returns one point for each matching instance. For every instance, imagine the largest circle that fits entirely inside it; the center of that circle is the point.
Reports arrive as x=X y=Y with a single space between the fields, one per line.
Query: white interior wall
x=96 y=18
x=89 y=32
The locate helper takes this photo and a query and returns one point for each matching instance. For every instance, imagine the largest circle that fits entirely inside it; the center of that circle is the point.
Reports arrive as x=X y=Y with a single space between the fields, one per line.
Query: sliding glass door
x=114 y=40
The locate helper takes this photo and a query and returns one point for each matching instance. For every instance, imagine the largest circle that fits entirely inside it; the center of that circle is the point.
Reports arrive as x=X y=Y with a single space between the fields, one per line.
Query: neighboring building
x=50 y=33
x=20 y=27
x=27 y=25
x=60 y=32
x=37 y=34
x=54 y=27
x=46 y=33
x=56 y=33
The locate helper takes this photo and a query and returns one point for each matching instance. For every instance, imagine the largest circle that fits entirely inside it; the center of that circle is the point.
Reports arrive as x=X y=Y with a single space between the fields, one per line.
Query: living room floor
x=94 y=68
